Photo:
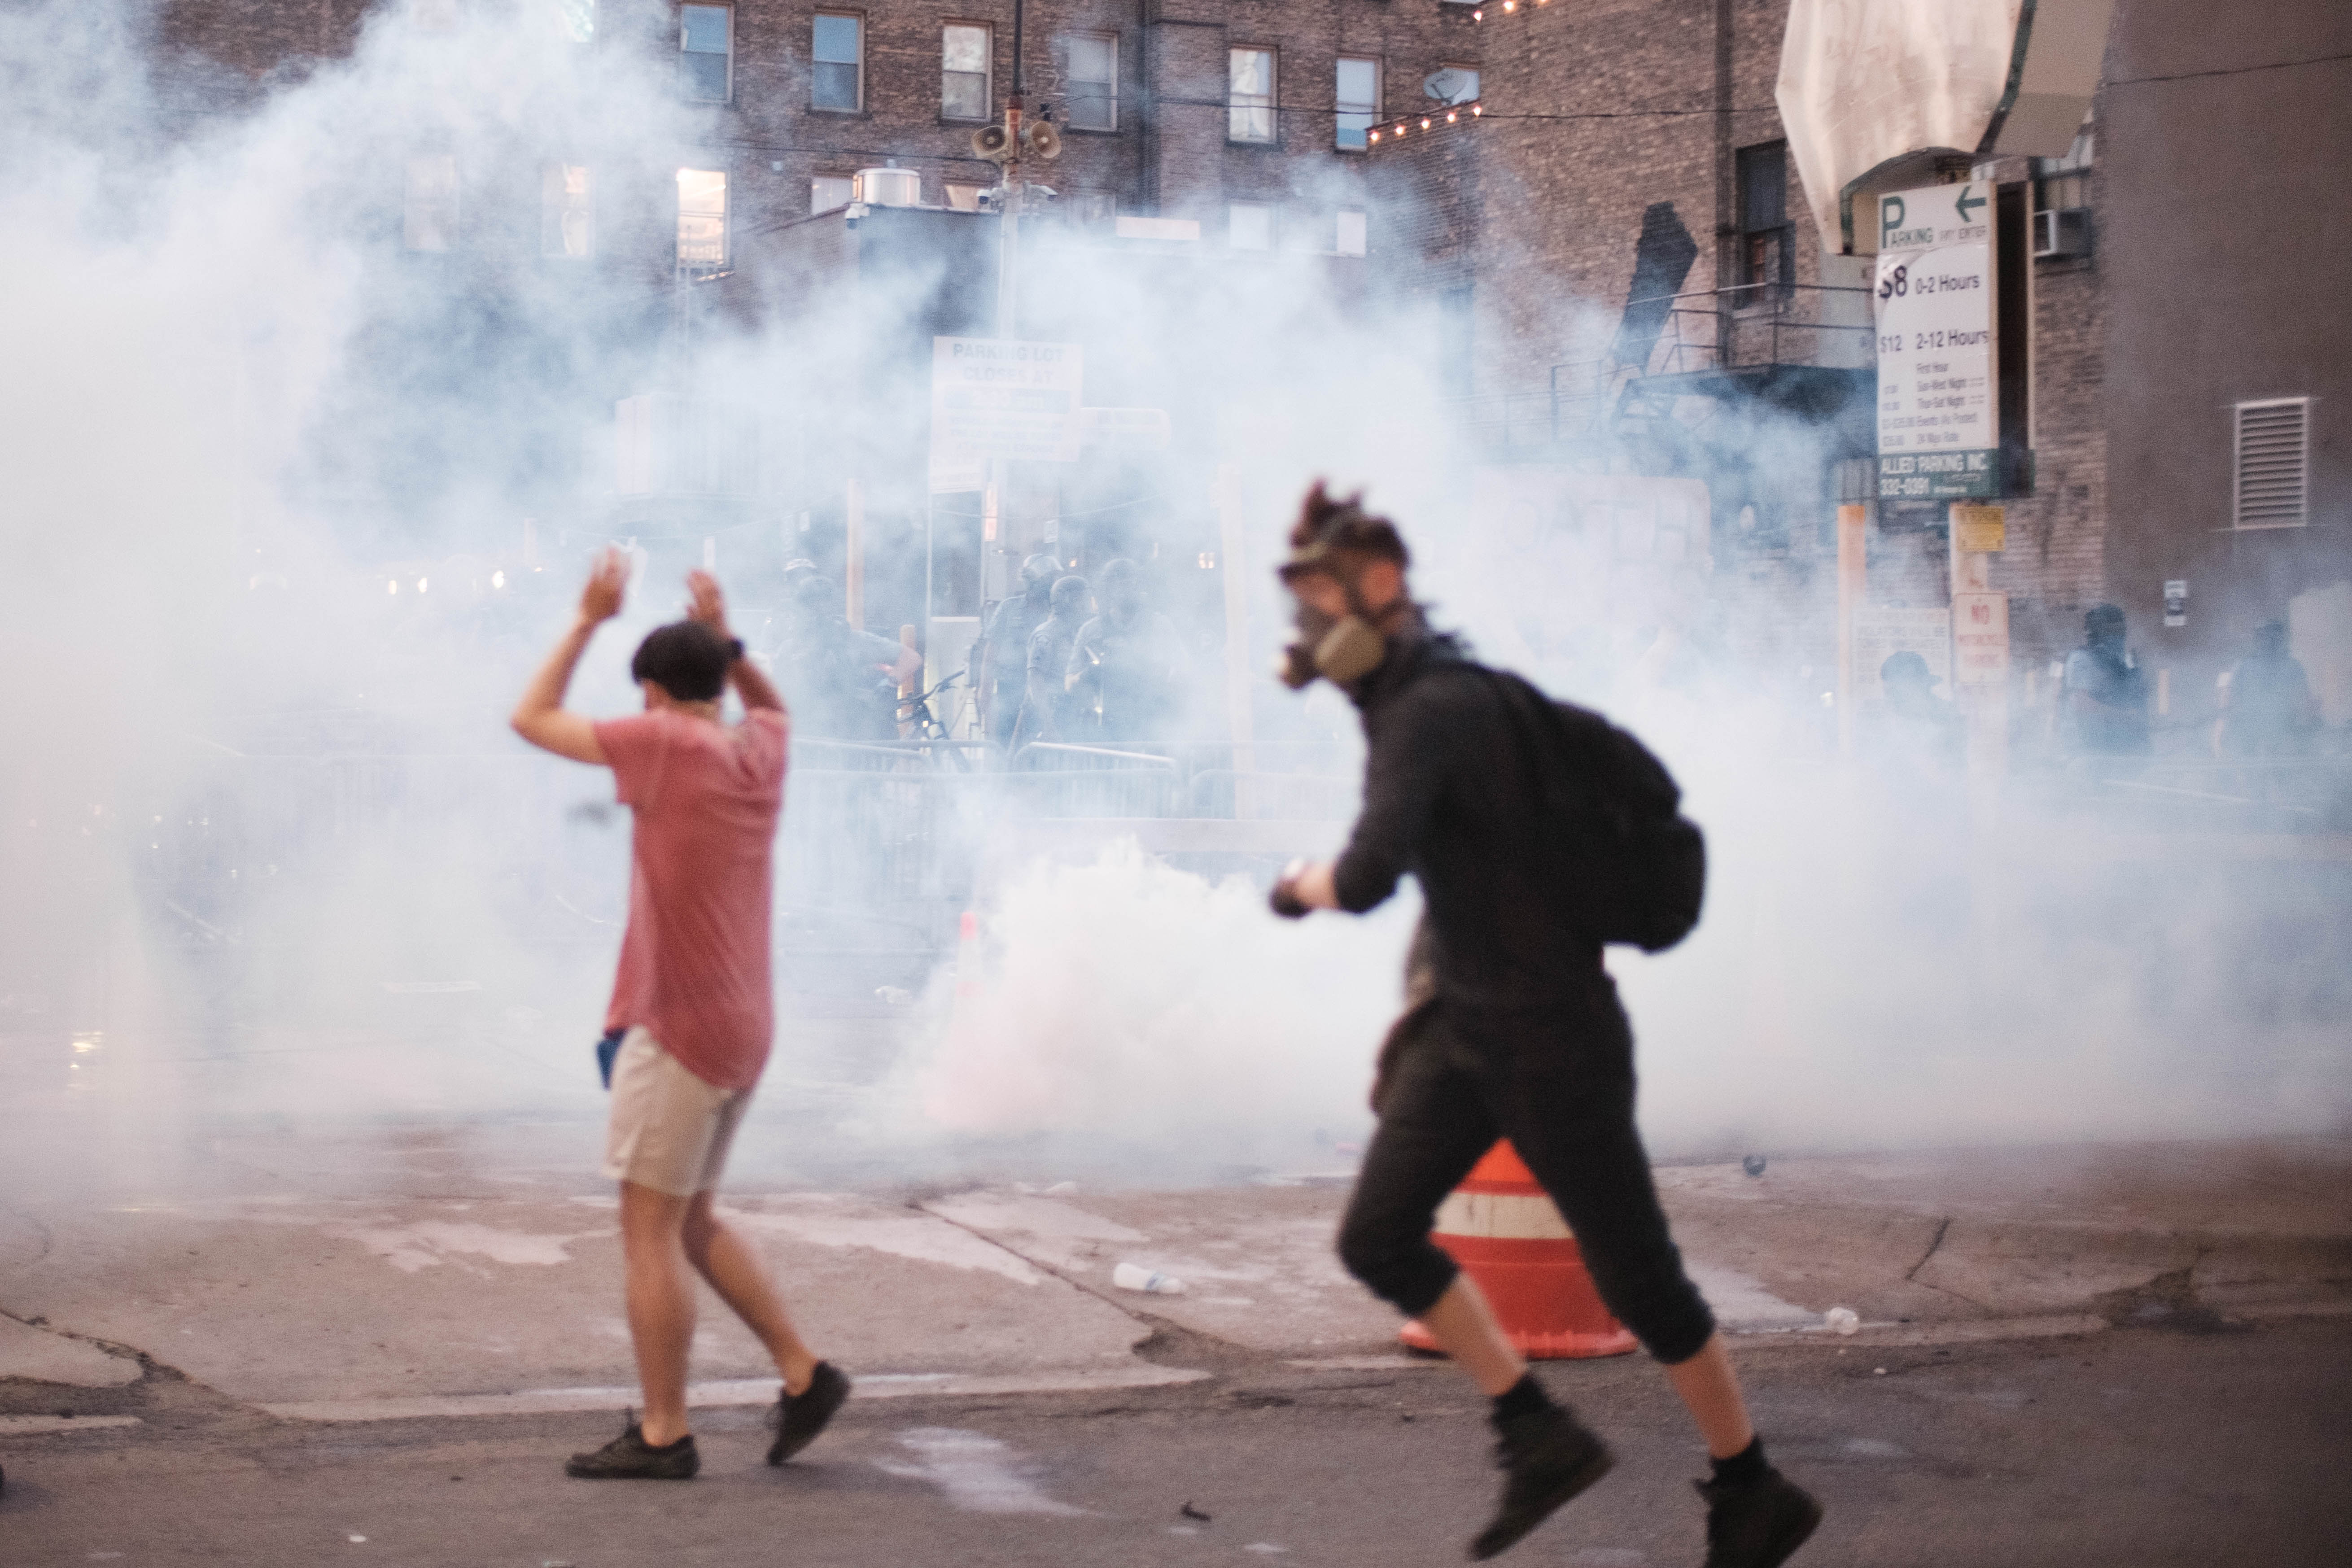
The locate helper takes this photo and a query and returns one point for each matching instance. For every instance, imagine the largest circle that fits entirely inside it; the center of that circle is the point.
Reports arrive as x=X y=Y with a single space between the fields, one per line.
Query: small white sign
x=955 y=476
x=1125 y=429
x=1879 y=634
x=1004 y=399
x=1936 y=340
x=1177 y=228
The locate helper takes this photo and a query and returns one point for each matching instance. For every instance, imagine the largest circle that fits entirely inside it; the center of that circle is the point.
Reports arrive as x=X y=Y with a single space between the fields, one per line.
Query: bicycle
x=928 y=725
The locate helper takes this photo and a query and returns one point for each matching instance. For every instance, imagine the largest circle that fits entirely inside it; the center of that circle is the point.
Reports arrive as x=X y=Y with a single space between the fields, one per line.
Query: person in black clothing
x=2269 y=710
x=1004 y=644
x=1513 y=1030
x=1910 y=730
x=2105 y=692
x=1049 y=711
x=842 y=683
x=1127 y=666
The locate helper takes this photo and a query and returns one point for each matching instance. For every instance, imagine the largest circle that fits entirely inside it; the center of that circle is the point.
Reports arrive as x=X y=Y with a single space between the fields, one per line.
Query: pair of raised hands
x=608 y=583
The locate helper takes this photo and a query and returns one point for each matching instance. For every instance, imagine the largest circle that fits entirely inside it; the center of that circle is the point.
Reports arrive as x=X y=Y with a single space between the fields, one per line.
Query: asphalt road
x=2138 y=1446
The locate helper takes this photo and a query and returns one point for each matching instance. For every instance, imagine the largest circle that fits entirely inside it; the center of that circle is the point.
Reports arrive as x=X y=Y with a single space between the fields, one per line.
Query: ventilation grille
x=2273 y=443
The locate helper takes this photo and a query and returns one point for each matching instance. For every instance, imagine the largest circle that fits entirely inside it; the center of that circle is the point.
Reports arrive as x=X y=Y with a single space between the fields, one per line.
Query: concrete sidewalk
x=510 y=1299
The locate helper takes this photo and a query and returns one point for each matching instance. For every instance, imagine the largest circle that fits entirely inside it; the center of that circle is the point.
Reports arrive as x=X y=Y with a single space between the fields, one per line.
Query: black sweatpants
x=1557 y=1081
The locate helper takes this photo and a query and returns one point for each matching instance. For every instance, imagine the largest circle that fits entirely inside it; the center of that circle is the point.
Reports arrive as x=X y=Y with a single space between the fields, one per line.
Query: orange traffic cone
x=1508 y=1236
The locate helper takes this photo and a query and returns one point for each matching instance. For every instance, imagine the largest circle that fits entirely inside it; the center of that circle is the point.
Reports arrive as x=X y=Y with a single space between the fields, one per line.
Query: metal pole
x=1008 y=308
x=1008 y=272
x=1853 y=587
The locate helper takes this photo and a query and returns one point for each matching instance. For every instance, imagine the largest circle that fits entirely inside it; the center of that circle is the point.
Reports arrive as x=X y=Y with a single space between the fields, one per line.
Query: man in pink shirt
x=692 y=1008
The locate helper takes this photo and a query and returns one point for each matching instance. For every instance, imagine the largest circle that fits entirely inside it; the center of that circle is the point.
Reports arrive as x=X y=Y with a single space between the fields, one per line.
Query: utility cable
x=2230 y=71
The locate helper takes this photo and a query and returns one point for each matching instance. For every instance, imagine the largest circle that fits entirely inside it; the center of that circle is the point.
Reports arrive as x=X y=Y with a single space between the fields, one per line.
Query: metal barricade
x=1049 y=778
x=1298 y=797
x=892 y=756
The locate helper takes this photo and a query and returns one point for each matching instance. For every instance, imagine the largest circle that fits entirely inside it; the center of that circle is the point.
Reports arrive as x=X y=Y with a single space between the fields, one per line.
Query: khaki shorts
x=670 y=1131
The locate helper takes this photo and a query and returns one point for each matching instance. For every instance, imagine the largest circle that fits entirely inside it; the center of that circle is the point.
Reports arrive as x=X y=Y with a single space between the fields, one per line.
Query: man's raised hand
x=608 y=580
x=707 y=604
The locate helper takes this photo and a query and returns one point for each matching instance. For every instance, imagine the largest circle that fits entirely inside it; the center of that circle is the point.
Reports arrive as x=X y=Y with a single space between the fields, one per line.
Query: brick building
x=1227 y=113
x=672 y=185
x=2186 y=398
x=1615 y=232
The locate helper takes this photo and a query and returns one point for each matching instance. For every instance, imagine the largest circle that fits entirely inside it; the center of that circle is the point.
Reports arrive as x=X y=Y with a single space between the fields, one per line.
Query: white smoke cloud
x=218 y=354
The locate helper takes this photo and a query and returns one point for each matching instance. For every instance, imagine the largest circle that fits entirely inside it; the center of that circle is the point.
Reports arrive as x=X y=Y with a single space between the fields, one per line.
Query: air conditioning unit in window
x=2062 y=232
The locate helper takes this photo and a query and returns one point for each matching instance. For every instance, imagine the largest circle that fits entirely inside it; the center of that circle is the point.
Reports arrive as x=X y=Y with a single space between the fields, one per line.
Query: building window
x=567 y=218
x=962 y=197
x=1091 y=99
x=828 y=191
x=1249 y=225
x=575 y=20
x=1091 y=210
x=1357 y=95
x=428 y=215
x=1768 y=255
x=1352 y=232
x=964 y=54
x=706 y=35
x=837 y=48
x=2063 y=184
x=2272 y=486
x=1249 y=100
x=701 y=218
x=1453 y=83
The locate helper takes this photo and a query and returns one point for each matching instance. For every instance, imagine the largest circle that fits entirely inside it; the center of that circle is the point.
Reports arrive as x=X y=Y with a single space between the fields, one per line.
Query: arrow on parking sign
x=1963 y=204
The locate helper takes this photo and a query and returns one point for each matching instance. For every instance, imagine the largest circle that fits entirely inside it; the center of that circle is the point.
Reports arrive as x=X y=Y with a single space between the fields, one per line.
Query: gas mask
x=1342 y=649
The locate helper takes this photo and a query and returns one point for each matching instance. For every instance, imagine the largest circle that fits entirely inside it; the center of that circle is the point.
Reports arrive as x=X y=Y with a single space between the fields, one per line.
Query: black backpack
x=1618 y=836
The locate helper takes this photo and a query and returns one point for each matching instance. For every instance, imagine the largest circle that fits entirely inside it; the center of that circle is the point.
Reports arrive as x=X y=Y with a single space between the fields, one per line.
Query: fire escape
x=1767 y=392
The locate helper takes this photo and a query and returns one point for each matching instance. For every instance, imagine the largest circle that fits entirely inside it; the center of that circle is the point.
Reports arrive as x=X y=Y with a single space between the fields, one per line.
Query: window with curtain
x=964 y=71
x=1091 y=96
x=1356 y=93
x=1249 y=113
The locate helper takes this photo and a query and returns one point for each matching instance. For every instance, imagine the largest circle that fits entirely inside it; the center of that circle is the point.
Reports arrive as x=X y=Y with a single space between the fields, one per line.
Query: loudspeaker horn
x=990 y=141
x=1042 y=139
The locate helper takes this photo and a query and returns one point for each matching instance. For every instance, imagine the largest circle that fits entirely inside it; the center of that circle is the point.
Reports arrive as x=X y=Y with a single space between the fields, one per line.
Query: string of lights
x=1432 y=120
x=1327 y=110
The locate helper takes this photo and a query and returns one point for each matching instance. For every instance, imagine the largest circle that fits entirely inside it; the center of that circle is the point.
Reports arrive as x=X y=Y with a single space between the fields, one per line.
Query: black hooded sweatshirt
x=1451 y=794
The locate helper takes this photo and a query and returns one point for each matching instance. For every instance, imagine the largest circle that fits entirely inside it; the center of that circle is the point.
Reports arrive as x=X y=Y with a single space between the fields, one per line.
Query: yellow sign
x=1979 y=529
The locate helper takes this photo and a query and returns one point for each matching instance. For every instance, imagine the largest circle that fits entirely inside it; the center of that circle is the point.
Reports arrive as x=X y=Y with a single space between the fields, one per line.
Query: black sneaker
x=630 y=1458
x=1547 y=1457
x=799 y=1418
x=1757 y=1525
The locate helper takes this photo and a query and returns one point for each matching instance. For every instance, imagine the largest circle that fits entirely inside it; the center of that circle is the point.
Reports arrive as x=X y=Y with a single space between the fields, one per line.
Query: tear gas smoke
x=270 y=860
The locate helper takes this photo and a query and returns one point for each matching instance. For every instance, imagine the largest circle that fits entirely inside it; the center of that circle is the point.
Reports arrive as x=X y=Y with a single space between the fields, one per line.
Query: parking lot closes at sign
x=1001 y=399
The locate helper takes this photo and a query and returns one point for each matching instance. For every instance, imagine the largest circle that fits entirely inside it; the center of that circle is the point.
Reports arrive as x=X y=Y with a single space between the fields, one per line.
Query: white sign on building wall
x=1879 y=634
x=995 y=398
x=1938 y=401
